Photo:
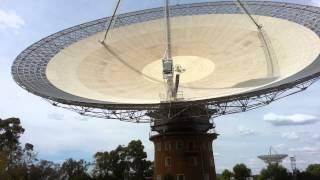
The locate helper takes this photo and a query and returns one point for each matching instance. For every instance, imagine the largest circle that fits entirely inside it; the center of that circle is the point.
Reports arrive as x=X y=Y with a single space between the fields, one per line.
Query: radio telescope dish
x=273 y=158
x=220 y=50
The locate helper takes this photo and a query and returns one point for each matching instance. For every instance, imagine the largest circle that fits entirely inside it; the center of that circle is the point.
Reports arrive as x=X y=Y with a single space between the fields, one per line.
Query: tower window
x=206 y=176
x=167 y=162
x=158 y=177
x=179 y=145
x=191 y=146
x=167 y=146
x=193 y=161
x=180 y=177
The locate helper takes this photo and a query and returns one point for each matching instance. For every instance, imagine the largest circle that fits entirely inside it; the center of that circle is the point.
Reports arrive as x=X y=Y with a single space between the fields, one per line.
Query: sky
x=290 y=126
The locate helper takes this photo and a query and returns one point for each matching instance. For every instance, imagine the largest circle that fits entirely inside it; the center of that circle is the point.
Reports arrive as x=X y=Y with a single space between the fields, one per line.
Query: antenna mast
x=167 y=62
x=293 y=167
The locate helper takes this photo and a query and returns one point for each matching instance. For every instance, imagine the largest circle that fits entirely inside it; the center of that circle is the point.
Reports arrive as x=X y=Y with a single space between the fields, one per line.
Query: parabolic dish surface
x=217 y=46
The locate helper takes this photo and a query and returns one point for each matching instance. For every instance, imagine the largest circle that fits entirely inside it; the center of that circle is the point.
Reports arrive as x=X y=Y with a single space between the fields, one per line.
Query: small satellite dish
x=273 y=158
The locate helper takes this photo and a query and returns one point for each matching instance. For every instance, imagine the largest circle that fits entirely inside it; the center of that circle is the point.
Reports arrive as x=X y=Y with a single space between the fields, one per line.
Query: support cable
x=259 y=27
x=273 y=69
x=111 y=21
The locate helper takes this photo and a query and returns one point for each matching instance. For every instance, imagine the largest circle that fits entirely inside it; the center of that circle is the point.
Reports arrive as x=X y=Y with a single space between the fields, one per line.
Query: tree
x=305 y=176
x=3 y=164
x=111 y=165
x=241 y=172
x=123 y=162
x=102 y=169
x=21 y=163
x=137 y=160
x=29 y=156
x=74 y=170
x=314 y=170
x=13 y=162
x=119 y=165
x=148 y=172
x=10 y=132
x=274 y=172
x=44 y=170
x=226 y=175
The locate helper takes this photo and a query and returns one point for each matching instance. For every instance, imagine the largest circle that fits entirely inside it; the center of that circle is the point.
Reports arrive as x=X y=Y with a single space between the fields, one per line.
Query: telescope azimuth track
x=34 y=69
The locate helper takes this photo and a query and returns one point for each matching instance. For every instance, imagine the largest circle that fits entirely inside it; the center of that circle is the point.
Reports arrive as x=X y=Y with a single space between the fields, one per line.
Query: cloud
x=280 y=147
x=290 y=120
x=81 y=118
x=10 y=20
x=254 y=163
x=315 y=136
x=306 y=149
x=315 y=2
x=56 y=116
x=60 y=139
x=290 y=135
x=244 y=131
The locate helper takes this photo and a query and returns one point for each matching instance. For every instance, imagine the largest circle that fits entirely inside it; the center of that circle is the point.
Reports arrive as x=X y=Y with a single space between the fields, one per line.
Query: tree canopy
x=74 y=170
x=275 y=172
x=226 y=175
x=314 y=169
x=241 y=172
x=123 y=162
x=19 y=162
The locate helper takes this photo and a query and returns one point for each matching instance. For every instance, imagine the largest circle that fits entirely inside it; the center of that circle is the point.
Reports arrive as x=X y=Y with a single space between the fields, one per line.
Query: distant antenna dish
x=273 y=158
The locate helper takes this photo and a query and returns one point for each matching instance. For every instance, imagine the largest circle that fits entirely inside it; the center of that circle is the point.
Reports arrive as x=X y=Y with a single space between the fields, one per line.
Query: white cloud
x=10 y=20
x=288 y=120
x=56 y=116
x=280 y=147
x=244 y=131
x=306 y=149
x=254 y=163
x=290 y=135
x=60 y=138
x=81 y=118
x=315 y=136
x=316 y=2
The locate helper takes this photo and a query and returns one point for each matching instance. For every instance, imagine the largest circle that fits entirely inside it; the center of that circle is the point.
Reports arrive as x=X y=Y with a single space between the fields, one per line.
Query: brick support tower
x=183 y=144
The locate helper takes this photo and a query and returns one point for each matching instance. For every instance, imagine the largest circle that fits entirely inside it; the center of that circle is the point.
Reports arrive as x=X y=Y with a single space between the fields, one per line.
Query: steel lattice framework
x=30 y=66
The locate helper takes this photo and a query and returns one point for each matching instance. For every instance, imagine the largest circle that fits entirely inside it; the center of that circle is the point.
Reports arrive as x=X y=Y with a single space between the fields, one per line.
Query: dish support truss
x=217 y=108
x=29 y=67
